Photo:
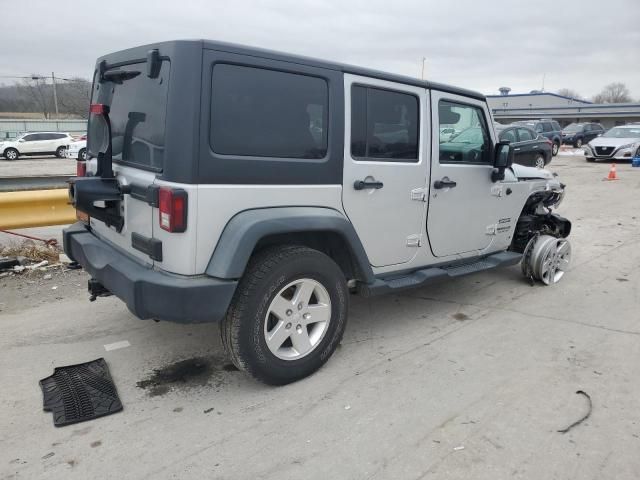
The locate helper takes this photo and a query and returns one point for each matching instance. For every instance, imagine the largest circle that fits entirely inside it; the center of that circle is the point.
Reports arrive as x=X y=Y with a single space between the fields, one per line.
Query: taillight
x=81 y=169
x=172 y=205
x=98 y=109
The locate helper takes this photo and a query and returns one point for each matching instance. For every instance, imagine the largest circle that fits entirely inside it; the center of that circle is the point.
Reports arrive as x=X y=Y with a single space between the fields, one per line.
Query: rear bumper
x=148 y=293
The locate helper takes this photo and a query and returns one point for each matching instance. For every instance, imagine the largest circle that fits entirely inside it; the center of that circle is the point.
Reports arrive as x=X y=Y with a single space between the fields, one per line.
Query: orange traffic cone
x=612 y=173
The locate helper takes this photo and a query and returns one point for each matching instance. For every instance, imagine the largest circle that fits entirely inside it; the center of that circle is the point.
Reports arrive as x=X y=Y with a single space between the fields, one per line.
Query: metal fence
x=10 y=128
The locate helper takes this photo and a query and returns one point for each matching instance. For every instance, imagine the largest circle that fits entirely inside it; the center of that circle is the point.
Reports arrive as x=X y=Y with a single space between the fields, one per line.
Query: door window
x=539 y=128
x=525 y=134
x=29 y=138
x=384 y=125
x=472 y=144
x=508 y=136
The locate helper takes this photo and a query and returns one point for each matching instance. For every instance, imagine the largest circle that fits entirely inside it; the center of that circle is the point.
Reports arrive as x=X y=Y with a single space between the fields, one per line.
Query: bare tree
x=567 y=92
x=74 y=97
x=616 y=92
x=37 y=91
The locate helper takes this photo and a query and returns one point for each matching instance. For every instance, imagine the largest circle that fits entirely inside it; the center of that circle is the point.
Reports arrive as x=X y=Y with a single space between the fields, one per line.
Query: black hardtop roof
x=302 y=60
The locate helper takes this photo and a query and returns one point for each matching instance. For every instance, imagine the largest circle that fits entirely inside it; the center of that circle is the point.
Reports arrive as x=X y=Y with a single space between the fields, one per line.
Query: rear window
x=138 y=108
x=257 y=112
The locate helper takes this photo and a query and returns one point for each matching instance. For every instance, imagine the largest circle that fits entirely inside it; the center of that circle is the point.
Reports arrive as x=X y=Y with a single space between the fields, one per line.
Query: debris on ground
x=584 y=417
x=28 y=257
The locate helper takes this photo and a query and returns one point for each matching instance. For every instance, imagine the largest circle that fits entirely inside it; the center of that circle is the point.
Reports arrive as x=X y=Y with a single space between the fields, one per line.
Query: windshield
x=138 y=107
x=623 y=132
x=573 y=127
x=470 y=135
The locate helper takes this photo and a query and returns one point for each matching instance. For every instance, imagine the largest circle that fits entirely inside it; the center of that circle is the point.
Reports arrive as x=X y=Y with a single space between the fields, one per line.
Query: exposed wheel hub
x=546 y=258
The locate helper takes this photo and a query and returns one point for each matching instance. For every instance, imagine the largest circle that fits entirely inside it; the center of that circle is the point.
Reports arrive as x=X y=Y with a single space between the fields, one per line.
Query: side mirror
x=503 y=160
x=22 y=140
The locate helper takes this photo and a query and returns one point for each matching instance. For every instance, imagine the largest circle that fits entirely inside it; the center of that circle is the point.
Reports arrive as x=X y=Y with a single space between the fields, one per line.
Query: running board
x=430 y=275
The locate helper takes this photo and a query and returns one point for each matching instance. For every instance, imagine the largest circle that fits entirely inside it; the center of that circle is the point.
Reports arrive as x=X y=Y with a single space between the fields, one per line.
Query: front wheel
x=11 y=154
x=287 y=315
x=539 y=161
x=61 y=152
x=82 y=156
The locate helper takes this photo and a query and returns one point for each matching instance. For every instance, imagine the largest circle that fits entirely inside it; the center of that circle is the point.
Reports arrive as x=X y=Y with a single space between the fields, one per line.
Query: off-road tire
x=60 y=152
x=242 y=330
x=9 y=151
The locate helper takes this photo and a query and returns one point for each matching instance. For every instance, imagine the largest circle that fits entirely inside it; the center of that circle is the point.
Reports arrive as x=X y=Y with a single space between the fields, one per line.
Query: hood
x=523 y=172
x=612 y=142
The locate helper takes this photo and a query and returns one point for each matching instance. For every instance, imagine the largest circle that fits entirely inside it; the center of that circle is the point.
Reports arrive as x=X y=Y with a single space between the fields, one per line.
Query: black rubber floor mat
x=80 y=392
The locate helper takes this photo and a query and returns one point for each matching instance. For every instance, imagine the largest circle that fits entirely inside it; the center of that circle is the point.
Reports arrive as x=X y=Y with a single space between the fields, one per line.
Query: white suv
x=36 y=143
x=258 y=189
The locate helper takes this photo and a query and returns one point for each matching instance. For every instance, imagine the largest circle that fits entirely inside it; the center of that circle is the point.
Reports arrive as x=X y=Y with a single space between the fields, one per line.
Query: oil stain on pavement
x=188 y=373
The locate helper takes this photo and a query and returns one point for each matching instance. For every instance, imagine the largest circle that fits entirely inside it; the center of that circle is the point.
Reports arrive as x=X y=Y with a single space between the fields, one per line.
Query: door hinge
x=419 y=194
x=414 y=240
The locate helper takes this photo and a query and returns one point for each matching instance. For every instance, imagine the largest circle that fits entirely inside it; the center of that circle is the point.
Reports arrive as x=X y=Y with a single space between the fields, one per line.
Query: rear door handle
x=361 y=185
x=444 y=183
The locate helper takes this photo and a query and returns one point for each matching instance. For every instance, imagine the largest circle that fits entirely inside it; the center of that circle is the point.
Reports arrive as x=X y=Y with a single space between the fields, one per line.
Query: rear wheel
x=82 y=155
x=11 y=154
x=61 y=152
x=555 y=148
x=287 y=316
x=578 y=143
x=539 y=161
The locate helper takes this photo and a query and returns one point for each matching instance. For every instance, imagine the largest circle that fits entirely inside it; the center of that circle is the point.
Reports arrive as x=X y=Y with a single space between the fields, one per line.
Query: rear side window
x=508 y=136
x=547 y=127
x=556 y=126
x=525 y=134
x=267 y=113
x=138 y=109
x=384 y=125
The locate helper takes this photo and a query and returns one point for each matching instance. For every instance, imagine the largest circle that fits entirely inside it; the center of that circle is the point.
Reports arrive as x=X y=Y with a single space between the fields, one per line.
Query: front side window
x=508 y=136
x=267 y=113
x=29 y=138
x=384 y=125
x=472 y=144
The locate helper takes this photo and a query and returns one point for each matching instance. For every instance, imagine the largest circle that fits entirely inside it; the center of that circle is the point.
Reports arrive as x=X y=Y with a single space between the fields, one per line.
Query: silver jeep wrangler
x=258 y=189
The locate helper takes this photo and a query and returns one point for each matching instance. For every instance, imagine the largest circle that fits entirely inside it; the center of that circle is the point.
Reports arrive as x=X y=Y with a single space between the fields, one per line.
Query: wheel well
x=330 y=243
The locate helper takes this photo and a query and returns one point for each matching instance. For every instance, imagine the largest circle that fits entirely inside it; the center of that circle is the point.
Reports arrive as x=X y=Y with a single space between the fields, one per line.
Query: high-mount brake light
x=172 y=205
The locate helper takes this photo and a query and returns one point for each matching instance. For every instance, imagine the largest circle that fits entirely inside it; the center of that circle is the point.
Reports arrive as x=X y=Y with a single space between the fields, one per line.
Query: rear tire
x=11 y=154
x=578 y=143
x=555 y=148
x=82 y=156
x=260 y=331
x=61 y=152
x=539 y=162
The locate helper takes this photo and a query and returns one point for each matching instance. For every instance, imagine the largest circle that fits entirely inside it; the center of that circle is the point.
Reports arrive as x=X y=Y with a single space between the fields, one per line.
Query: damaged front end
x=540 y=235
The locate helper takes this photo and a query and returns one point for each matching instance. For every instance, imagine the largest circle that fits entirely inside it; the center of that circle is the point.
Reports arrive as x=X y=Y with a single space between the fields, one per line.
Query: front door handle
x=361 y=185
x=444 y=183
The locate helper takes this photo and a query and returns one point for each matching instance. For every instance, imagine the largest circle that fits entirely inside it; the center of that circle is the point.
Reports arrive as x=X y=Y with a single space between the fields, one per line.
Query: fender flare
x=243 y=232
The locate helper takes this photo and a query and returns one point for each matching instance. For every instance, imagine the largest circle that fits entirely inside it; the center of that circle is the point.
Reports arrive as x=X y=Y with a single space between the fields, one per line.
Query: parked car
x=577 y=134
x=77 y=149
x=619 y=143
x=256 y=189
x=36 y=143
x=547 y=128
x=529 y=147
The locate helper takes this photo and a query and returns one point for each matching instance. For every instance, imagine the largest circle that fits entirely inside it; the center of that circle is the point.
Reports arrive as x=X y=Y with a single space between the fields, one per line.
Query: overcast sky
x=478 y=44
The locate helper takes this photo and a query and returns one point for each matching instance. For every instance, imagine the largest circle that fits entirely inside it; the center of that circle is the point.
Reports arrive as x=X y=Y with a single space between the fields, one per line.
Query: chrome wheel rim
x=555 y=149
x=11 y=155
x=83 y=155
x=578 y=143
x=297 y=319
x=539 y=162
x=550 y=259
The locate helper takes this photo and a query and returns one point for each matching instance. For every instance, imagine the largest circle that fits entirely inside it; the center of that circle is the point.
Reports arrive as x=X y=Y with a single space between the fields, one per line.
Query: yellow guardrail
x=35 y=208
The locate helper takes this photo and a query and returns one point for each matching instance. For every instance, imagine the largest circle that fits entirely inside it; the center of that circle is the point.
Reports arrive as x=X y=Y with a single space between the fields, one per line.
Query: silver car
x=619 y=143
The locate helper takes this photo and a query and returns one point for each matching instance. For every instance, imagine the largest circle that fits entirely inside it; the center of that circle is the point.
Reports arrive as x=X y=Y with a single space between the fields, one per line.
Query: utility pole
x=424 y=59
x=55 y=94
